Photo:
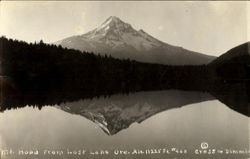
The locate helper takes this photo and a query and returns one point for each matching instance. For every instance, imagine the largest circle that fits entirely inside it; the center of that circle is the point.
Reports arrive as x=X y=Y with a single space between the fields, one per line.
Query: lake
x=157 y=124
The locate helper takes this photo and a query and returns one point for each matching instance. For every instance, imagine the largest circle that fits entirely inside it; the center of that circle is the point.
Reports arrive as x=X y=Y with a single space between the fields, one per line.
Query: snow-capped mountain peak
x=121 y=40
x=113 y=29
x=114 y=21
x=117 y=34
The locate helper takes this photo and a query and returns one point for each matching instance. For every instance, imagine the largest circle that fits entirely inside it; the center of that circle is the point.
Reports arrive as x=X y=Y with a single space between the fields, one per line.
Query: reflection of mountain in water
x=120 y=111
x=117 y=112
x=226 y=78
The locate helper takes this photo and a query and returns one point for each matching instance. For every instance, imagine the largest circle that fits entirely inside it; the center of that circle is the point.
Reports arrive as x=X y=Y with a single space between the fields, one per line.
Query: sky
x=210 y=27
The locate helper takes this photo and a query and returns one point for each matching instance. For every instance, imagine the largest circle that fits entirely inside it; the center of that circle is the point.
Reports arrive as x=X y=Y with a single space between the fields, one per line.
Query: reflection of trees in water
x=43 y=74
x=119 y=111
x=234 y=95
x=115 y=112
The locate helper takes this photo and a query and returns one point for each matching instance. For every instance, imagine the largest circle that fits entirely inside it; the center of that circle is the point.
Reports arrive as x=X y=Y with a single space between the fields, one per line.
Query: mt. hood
x=118 y=39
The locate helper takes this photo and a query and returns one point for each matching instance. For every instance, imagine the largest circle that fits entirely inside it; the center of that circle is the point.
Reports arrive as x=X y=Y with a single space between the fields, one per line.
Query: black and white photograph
x=124 y=79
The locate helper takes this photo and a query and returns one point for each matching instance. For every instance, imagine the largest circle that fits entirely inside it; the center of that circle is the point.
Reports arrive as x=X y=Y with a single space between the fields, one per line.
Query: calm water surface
x=146 y=120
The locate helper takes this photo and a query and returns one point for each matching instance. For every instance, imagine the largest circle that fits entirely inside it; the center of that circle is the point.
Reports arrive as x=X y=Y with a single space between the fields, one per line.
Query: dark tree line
x=234 y=65
x=43 y=74
x=42 y=66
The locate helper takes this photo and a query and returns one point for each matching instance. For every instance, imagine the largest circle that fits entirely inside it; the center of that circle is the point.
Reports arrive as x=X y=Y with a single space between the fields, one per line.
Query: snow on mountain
x=120 y=111
x=119 y=39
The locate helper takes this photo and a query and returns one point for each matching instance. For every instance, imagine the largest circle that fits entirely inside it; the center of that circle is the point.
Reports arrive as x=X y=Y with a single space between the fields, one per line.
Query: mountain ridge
x=120 y=40
x=240 y=50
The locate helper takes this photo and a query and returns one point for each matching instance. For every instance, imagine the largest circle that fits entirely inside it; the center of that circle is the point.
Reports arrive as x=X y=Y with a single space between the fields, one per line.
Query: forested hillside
x=234 y=65
x=39 y=74
x=39 y=66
